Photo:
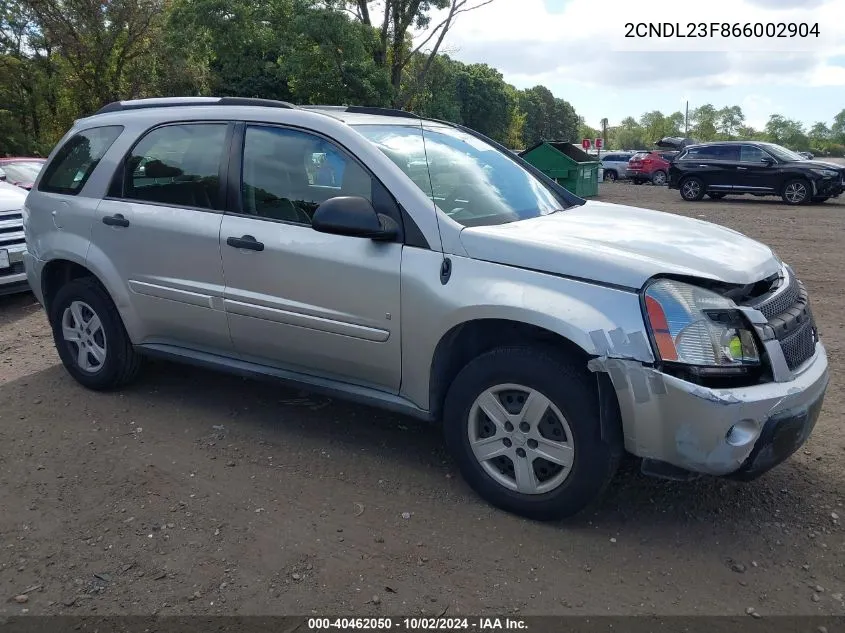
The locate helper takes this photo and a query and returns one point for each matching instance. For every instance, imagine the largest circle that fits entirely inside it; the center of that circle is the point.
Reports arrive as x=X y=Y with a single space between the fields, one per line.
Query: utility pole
x=686 y=121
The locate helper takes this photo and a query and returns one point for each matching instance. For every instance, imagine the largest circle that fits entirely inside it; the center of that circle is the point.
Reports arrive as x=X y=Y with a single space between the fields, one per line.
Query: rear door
x=159 y=227
x=314 y=303
x=714 y=164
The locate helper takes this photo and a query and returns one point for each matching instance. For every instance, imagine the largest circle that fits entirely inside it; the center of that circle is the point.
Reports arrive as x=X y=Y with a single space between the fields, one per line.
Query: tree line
x=64 y=59
x=707 y=123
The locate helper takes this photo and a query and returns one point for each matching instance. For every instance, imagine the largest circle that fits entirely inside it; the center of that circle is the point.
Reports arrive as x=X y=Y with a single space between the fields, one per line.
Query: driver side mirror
x=355 y=217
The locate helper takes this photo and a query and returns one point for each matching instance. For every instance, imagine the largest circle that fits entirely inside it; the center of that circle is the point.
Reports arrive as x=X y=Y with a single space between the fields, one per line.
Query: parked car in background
x=615 y=165
x=546 y=333
x=807 y=155
x=763 y=169
x=20 y=171
x=650 y=167
x=12 y=244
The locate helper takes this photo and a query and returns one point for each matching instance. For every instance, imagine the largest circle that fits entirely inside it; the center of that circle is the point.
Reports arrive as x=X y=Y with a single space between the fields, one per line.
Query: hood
x=623 y=245
x=820 y=164
x=12 y=198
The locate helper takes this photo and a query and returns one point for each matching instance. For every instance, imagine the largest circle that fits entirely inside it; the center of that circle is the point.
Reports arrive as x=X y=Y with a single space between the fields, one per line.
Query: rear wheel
x=610 y=175
x=658 y=178
x=89 y=336
x=523 y=425
x=716 y=196
x=692 y=189
x=796 y=191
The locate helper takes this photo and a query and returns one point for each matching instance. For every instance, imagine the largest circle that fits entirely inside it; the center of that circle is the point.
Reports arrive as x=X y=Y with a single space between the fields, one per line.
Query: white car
x=12 y=244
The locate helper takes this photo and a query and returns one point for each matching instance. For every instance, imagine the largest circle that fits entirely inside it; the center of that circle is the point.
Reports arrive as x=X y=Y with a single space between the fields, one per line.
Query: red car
x=20 y=171
x=650 y=167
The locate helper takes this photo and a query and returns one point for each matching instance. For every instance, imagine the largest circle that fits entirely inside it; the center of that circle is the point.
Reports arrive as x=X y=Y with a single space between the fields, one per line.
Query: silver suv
x=416 y=265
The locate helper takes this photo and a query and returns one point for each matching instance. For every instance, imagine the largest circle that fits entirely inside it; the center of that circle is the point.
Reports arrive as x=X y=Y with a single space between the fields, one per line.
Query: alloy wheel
x=521 y=439
x=83 y=332
x=691 y=189
x=795 y=192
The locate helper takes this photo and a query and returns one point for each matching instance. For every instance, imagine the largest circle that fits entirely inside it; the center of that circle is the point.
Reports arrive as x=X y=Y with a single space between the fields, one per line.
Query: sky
x=577 y=49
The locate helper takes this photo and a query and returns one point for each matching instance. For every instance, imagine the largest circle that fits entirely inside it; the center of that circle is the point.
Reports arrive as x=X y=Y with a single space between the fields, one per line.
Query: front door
x=159 y=227
x=325 y=305
x=752 y=174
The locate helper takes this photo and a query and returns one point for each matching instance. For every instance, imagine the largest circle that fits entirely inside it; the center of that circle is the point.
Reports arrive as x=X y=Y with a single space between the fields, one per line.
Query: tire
x=109 y=358
x=658 y=178
x=796 y=192
x=692 y=189
x=820 y=199
x=611 y=176
x=572 y=413
x=716 y=196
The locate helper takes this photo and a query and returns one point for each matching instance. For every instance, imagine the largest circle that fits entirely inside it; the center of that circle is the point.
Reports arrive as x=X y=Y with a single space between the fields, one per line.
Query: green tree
x=675 y=124
x=704 y=120
x=729 y=120
x=630 y=135
x=787 y=132
x=653 y=125
x=395 y=49
x=837 y=129
x=485 y=101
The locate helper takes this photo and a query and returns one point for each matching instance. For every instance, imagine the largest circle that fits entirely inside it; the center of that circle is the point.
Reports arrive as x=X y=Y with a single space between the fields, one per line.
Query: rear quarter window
x=76 y=160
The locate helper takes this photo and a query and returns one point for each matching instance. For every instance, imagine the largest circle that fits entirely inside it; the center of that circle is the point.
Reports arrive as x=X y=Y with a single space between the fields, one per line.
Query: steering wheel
x=460 y=191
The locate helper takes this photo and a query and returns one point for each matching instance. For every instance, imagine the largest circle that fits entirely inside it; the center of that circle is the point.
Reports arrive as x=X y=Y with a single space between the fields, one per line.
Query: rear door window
x=177 y=165
x=713 y=152
x=74 y=163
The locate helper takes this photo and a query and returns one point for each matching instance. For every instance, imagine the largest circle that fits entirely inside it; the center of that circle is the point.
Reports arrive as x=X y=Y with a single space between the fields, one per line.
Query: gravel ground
x=198 y=493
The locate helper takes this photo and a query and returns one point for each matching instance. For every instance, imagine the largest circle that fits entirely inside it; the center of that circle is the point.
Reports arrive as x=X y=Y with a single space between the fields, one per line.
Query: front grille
x=781 y=301
x=11 y=228
x=788 y=312
x=800 y=345
x=15 y=269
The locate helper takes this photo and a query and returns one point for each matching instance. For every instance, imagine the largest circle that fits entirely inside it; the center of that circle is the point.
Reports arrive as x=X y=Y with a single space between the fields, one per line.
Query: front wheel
x=524 y=427
x=658 y=178
x=692 y=189
x=796 y=191
x=89 y=336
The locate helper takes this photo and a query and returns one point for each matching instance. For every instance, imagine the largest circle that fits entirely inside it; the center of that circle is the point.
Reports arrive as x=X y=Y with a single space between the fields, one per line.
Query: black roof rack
x=168 y=102
x=365 y=110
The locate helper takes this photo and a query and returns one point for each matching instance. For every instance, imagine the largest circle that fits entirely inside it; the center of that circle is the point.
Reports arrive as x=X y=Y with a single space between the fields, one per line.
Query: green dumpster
x=569 y=165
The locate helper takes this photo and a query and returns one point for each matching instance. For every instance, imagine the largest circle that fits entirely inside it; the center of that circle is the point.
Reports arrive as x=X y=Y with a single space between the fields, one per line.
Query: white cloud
x=581 y=43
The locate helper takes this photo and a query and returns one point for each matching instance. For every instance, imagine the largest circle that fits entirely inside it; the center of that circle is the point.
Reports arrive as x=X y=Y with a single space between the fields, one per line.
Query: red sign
x=585 y=143
x=599 y=143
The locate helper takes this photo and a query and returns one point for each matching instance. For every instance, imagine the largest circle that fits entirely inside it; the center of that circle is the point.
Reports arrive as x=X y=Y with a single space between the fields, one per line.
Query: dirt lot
x=193 y=492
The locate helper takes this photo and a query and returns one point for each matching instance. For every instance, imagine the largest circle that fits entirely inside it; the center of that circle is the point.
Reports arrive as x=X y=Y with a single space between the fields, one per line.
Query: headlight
x=827 y=173
x=694 y=326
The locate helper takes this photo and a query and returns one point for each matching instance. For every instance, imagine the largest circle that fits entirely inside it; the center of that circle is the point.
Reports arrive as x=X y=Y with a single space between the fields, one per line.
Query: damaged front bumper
x=739 y=432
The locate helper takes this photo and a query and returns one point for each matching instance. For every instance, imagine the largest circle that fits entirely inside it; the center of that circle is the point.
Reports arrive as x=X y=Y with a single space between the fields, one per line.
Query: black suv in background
x=762 y=169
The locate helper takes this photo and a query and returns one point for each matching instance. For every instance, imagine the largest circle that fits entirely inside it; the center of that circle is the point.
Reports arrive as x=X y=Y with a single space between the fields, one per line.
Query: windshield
x=781 y=153
x=472 y=182
x=22 y=172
